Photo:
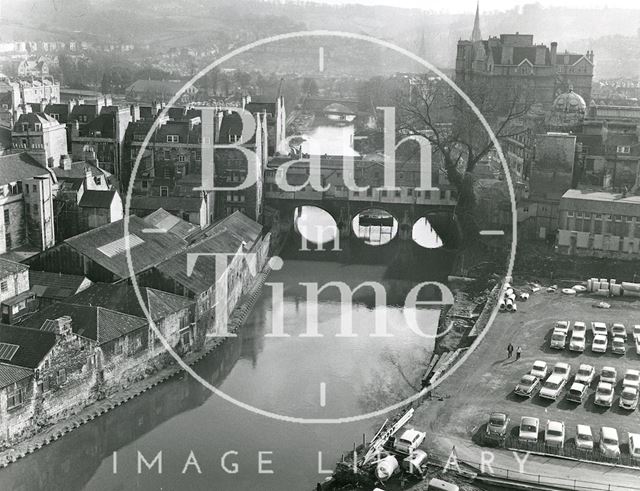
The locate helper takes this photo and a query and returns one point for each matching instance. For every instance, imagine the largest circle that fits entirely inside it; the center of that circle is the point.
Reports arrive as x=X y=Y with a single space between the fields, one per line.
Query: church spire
x=476 y=35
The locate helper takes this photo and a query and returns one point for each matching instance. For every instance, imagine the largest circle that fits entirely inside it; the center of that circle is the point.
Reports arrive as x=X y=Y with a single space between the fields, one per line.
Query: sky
x=462 y=6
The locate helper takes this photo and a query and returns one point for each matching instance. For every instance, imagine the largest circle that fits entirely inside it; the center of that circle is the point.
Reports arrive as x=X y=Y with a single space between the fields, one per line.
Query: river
x=283 y=375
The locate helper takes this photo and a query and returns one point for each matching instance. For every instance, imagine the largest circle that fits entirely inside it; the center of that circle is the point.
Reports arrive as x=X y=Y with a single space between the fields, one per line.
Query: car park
x=554 y=434
x=618 y=346
x=528 y=430
x=577 y=392
x=599 y=328
x=604 y=394
x=609 y=442
x=578 y=342
x=562 y=369
x=497 y=426
x=527 y=386
x=631 y=378
x=540 y=369
x=584 y=437
x=629 y=398
x=619 y=330
x=585 y=374
x=599 y=344
x=579 y=326
x=553 y=386
x=608 y=374
x=558 y=339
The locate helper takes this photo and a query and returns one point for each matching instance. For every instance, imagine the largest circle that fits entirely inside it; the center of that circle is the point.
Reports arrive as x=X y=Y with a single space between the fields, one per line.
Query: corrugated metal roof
x=164 y=220
x=55 y=285
x=155 y=247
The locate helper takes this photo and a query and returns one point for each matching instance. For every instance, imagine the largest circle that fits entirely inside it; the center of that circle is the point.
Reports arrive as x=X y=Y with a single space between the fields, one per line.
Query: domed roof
x=570 y=102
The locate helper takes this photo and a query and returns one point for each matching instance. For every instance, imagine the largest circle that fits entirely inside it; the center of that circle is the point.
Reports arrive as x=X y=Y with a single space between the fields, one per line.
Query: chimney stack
x=554 y=51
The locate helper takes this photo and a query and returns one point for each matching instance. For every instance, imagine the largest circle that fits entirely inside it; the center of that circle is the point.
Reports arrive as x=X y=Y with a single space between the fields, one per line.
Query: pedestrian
x=509 y=350
x=518 y=353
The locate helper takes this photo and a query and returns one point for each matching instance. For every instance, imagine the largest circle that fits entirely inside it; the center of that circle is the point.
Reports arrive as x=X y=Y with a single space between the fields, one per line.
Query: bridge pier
x=344 y=223
x=405 y=227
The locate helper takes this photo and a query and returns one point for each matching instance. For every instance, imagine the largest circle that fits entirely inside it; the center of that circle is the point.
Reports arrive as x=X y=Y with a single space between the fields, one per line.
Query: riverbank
x=89 y=413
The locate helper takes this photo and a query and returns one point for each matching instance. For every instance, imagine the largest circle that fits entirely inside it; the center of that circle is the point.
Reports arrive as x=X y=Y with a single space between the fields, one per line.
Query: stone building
x=513 y=60
x=43 y=136
x=16 y=298
x=600 y=224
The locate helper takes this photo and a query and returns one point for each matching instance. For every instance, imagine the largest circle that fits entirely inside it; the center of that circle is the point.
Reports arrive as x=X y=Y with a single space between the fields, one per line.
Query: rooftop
x=24 y=347
x=97 y=198
x=55 y=285
x=19 y=166
x=164 y=220
x=8 y=267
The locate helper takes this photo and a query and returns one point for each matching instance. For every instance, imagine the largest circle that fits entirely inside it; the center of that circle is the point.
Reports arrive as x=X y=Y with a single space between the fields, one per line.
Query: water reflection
x=425 y=235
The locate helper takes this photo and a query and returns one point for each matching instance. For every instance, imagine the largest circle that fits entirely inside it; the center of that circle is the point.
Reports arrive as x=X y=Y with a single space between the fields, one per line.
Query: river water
x=282 y=375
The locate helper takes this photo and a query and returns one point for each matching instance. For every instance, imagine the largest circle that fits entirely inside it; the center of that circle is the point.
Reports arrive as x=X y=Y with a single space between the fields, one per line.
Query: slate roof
x=151 y=249
x=9 y=375
x=226 y=236
x=96 y=323
x=17 y=167
x=33 y=345
x=104 y=124
x=78 y=171
x=164 y=220
x=93 y=198
x=10 y=267
x=122 y=298
x=56 y=286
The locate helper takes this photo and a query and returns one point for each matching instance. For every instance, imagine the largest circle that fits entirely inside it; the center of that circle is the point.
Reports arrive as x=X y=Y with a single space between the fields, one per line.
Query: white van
x=634 y=445
x=440 y=485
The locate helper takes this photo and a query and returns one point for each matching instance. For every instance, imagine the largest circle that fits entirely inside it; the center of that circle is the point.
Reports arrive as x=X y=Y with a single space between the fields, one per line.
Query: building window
x=623 y=149
x=4 y=286
x=119 y=346
x=61 y=376
x=164 y=191
x=181 y=158
x=145 y=184
x=173 y=139
x=25 y=127
x=15 y=397
x=55 y=116
x=38 y=127
x=7 y=220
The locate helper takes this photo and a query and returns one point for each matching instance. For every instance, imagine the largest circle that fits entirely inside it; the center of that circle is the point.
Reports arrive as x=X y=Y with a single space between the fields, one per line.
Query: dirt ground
x=485 y=382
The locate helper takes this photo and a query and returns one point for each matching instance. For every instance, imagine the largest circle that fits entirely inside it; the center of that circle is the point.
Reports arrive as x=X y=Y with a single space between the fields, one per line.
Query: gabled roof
x=9 y=375
x=79 y=170
x=56 y=286
x=226 y=236
x=121 y=297
x=106 y=246
x=96 y=323
x=94 y=198
x=33 y=345
x=164 y=220
x=11 y=267
x=17 y=167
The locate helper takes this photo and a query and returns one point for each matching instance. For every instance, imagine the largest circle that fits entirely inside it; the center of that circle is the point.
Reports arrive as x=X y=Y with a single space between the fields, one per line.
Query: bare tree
x=434 y=110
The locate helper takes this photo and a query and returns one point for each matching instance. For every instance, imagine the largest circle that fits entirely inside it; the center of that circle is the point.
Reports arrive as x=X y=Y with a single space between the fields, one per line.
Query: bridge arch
x=375 y=226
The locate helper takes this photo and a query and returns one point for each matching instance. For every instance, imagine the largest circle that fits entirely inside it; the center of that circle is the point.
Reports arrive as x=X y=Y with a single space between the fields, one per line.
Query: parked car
x=579 y=326
x=584 y=437
x=497 y=426
x=629 y=398
x=634 y=445
x=527 y=386
x=552 y=388
x=409 y=441
x=578 y=342
x=528 y=431
x=619 y=330
x=618 y=346
x=554 y=434
x=636 y=331
x=577 y=392
x=440 y=485
x=631 y=378
x=609 y=442
x=585 y=374
x=599 y=344
x=638 y=345
x=609 y=374
x=563 y=369
x=562 y=326
x=558 y=339
x=599 y=328
x=540 y=369
x=604 y=394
